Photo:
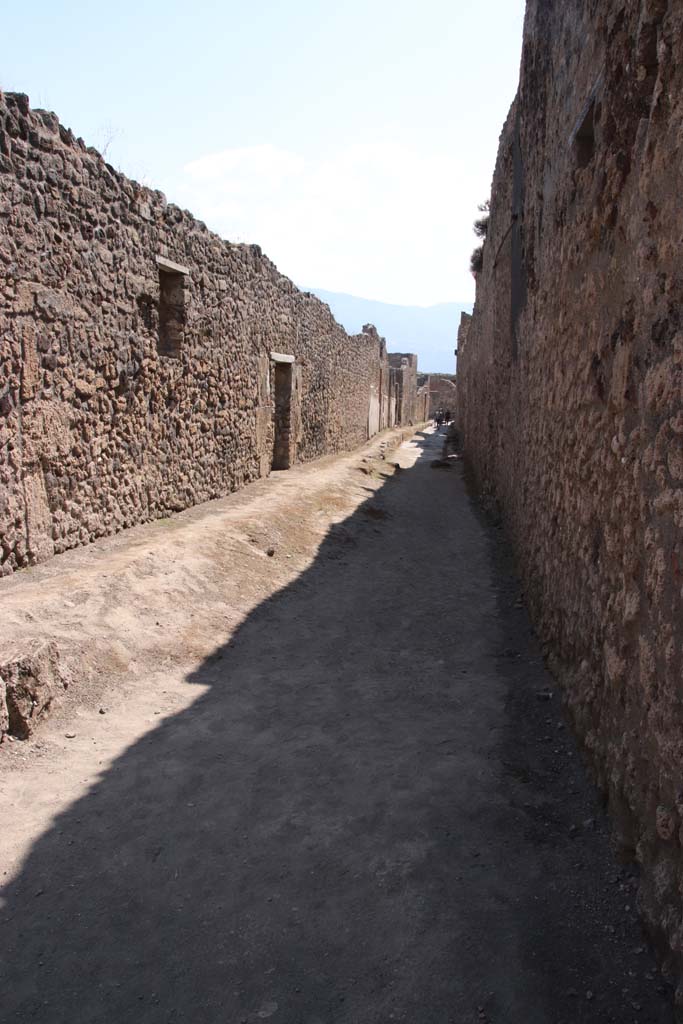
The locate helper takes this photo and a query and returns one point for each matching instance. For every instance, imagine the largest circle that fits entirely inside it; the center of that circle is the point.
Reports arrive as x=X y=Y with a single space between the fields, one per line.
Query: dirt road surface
x=311 y=769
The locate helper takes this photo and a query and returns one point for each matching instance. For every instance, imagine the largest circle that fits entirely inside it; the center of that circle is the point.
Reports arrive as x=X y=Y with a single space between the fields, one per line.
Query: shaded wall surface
x=463 y=331
x=137 y=374
x=570 y=383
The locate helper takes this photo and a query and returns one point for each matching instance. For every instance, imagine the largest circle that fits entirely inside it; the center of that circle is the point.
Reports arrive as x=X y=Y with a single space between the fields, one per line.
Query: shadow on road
x=332 y=833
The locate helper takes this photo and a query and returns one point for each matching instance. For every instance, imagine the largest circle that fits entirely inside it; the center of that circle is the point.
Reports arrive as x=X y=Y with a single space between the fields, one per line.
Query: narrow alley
x=360 y=802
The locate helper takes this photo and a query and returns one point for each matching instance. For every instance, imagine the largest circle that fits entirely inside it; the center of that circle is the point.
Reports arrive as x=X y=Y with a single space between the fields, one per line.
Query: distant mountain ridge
x=429 y=331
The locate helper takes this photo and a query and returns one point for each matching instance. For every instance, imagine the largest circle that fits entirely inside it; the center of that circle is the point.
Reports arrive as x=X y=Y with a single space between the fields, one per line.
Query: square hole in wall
x=172 y=308
x=584 y=135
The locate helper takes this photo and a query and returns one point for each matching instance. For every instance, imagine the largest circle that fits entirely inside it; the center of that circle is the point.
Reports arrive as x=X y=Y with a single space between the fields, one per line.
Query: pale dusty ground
x=135 y=614
x=331 y=786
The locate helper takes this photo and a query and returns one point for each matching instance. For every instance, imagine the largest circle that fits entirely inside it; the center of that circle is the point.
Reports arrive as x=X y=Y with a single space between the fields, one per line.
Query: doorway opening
x=282 y=416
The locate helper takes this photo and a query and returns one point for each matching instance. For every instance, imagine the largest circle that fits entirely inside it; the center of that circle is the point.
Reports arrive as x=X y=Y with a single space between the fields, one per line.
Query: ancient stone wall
x=442 y=393
x=404 y=366
x=382 y=409
x=463 y=331
x=570 y=386
x=137 y=374
x=422 y=397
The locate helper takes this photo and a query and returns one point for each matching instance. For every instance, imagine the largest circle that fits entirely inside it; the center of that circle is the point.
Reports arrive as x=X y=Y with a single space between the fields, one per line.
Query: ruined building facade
x=147 y=365
x=411 y=401
x=442 y=392
x=570 y=389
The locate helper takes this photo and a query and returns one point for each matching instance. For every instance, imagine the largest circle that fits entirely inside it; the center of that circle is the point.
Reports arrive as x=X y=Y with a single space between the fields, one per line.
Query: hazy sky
x=352 y=140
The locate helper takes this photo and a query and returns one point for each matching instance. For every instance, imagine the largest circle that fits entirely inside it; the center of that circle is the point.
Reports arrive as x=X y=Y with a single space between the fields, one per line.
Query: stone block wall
x=570 y=385
x=136 y=376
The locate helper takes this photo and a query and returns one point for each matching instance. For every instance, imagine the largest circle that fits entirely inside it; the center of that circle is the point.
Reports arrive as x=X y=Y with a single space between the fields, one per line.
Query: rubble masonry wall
x=570 y=391
x=108 y=418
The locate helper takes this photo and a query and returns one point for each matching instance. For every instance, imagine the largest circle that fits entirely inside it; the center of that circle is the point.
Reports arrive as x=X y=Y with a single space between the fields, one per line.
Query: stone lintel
x=170 y=267
x=278 y=357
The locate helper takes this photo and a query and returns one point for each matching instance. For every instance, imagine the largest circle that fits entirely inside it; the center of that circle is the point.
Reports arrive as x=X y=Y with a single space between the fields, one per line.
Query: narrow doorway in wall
x=282 y=415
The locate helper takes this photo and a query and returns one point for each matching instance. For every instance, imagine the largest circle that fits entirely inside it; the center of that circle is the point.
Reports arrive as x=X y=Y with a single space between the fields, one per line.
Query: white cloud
x=381 y=220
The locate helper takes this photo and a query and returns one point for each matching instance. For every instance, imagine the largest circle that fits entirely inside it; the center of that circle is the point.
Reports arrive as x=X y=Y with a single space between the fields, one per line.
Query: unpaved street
x=330 y=783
